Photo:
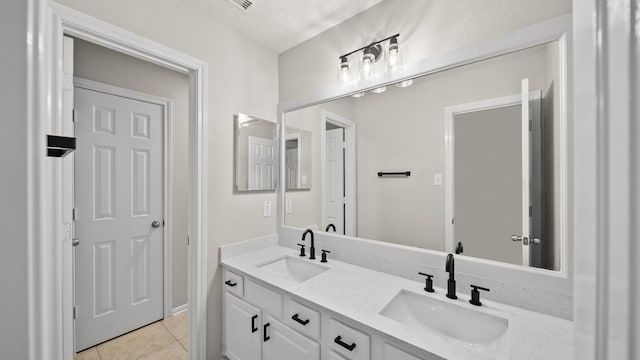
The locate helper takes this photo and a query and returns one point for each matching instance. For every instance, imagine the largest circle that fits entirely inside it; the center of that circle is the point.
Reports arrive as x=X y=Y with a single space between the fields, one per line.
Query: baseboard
x=178 y=309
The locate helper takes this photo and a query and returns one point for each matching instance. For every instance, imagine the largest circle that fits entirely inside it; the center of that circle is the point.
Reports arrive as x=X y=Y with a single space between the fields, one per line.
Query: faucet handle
x=302 y=253
x=428 y=284
x=475 y=295
x=324 y=256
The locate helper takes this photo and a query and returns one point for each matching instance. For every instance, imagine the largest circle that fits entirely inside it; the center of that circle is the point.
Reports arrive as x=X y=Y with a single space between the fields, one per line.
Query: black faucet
x=451 y=283
x=329 y=227
x=312 y=249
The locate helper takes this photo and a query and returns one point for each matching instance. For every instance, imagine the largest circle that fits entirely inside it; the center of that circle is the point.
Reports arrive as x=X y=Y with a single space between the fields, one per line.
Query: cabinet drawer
x=264 y=298
x=303 y=319
x=233 y=283
x=349 y=342
x=393 y=353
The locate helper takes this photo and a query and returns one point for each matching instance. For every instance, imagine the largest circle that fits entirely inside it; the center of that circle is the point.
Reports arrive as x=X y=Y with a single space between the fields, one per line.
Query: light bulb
x=379 y=90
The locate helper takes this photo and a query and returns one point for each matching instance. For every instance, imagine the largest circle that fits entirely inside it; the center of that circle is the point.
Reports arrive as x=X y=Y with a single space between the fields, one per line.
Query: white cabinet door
x=283 y=343
x=242 y=330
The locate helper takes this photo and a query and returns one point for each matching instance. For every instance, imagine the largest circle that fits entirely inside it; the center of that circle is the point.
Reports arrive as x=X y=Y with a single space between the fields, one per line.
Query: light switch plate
x=289 y=206
x=437 y=179
x=267 y=208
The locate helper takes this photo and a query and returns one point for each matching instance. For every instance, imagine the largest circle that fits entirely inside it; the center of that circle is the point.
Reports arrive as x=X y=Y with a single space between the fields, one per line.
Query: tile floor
x=163 y=340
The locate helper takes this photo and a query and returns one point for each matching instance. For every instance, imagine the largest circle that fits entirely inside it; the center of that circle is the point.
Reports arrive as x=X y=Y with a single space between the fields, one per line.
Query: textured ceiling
x=282 y=24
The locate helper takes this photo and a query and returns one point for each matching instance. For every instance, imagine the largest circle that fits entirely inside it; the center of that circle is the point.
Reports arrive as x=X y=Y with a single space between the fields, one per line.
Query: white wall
x=107 y=66
x=426 y=27
x=243 y=77
x=14 y=151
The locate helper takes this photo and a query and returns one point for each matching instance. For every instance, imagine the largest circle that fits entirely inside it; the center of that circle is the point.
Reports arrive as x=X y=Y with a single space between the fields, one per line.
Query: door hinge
x=188 y=241
x=73 y=115
x=530 y=125
x=453 y=221
x=74 y=214
x=75 y=312
x=530 y=211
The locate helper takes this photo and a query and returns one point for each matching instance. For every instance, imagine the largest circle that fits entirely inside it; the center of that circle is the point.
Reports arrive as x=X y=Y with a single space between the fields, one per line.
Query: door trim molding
x=62 y=20
x=167 y=171
x=349 y=166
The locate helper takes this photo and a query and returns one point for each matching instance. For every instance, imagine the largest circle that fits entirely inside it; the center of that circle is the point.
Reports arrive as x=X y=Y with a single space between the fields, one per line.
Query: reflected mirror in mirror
x=256 y=153
x=466 y=160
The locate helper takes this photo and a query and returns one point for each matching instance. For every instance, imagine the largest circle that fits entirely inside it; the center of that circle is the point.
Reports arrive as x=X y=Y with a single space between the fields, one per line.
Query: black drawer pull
x=230 y=283
x=339 y=341
x=300 y=321
x=265 y=337
x=253 y=323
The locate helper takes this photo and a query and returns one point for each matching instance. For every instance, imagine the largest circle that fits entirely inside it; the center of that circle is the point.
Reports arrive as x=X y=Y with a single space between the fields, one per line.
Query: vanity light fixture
x=379 y=90
x=405 y=83
x=369 y=66
x=358 y=95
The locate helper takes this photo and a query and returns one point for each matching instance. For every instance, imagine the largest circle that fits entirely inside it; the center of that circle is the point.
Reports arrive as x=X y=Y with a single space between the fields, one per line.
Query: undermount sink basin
x=292 y=268
x=433 y=315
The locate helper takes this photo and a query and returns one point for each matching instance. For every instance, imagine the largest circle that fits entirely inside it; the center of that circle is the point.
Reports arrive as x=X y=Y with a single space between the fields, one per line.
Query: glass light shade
x=394 y=58
x=345 y=73
x=379 y=90
x=367 y=67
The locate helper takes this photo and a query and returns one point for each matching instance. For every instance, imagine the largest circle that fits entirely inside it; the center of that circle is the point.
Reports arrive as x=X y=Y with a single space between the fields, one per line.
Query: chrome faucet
x=329 y=227
x=312 y=249
x=451 y=283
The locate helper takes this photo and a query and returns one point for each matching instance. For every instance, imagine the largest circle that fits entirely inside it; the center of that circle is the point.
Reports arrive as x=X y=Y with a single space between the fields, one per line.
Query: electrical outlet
x=437 y=179
x=289 y=206
x=267 y=208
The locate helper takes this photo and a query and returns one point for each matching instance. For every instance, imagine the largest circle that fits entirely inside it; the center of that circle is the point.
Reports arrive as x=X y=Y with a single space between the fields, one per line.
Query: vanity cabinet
x=253 y=331
x=261 y=323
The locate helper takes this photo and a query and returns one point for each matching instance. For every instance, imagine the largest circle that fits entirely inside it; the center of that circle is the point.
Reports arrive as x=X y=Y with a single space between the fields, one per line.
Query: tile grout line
x=173 y=335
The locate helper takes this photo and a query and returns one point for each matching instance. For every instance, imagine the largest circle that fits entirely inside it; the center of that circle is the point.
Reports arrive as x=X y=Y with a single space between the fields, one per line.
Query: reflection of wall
x=100 y=64
x=426 y=28
x=404 y=130
x=262 y=129
x=307 y=203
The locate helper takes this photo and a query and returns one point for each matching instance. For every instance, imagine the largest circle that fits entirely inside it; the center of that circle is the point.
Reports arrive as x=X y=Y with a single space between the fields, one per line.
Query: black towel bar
x=402 y=173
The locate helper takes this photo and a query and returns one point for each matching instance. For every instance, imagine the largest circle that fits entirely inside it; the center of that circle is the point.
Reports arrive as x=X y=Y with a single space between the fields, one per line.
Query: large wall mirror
x=467 y=160
x=256 y=153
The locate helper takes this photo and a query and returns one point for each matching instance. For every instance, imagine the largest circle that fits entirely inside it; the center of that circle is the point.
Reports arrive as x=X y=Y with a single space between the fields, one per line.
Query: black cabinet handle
x=253 y=323
x=230 y=283
x=265 y=337
x=300 y=321
x=339 y=341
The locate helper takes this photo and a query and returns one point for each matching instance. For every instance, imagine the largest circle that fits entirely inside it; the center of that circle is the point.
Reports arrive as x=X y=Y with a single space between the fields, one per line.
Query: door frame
x=61 y=20
x=449 y=157
x=349 y=167
x=167 y=178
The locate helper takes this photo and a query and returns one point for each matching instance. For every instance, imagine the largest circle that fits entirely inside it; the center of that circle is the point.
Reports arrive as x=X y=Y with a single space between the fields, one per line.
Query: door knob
x=526 y=240
x=155 y=224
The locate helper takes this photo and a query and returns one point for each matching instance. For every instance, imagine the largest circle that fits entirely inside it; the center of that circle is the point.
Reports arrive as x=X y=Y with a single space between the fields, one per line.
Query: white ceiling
x=282 y=24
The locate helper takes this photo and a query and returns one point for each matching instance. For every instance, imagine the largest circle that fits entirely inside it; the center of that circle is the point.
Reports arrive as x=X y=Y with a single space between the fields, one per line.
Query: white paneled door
x=335 y=179
x=262 y=163
x=119 y=215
